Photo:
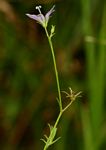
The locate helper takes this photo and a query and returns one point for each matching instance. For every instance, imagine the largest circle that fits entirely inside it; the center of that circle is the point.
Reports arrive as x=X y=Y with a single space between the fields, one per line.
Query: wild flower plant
x=43 y=21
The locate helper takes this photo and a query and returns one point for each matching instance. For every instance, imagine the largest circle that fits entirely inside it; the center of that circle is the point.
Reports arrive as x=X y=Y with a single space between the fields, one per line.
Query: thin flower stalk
x=55 y=68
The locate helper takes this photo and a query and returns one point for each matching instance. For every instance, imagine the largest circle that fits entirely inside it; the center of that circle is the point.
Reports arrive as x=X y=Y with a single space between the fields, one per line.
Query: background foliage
x=27 y=81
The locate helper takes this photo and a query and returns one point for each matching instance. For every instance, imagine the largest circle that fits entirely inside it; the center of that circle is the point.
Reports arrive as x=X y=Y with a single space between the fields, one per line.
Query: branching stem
x=53 y=129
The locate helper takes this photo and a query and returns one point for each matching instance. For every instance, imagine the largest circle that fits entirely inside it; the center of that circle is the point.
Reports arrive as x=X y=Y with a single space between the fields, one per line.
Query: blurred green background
x=27 y=81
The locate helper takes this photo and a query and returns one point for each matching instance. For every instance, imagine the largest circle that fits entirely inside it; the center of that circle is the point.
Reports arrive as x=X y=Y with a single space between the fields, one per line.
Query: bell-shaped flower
x=40 y=18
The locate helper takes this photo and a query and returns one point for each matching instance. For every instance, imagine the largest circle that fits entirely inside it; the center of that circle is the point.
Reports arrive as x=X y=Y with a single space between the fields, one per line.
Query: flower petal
x=39 y=18
x=35 y=17
x=49 y=13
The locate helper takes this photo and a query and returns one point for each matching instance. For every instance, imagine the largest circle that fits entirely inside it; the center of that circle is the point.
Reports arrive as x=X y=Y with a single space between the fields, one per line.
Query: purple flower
x=40 y=18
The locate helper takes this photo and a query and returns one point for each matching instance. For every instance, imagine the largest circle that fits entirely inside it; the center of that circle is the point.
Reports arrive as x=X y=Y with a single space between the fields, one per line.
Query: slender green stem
x=62 y=110
x=55 y=68
x=67 y=106
x=57 y=80
x=59 y=116
x=45 y=148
